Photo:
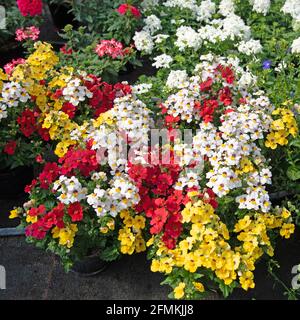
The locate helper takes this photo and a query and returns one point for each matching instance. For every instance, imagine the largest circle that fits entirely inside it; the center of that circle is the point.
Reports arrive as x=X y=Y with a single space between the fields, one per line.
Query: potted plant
x=85 y=203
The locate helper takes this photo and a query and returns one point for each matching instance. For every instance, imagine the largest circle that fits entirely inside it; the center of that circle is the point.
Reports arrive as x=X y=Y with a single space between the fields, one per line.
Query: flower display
x=196 y=163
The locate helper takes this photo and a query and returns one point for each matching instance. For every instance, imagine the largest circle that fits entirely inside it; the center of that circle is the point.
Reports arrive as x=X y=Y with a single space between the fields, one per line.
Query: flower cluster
x=207 y=246
x=130 y=236
x=111 y=48
x=30 y=7
x=281 y=128
x=124 y=8
x=27 y=33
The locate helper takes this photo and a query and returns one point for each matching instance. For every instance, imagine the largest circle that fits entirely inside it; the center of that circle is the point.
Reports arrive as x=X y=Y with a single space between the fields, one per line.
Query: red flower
x=206 y=85
x=48 y=175
x=225 y=96
x=36 y=230
x=69 y=109
x=124 y=8
x=39 y=211
x=171 y=120
x=207 y=110
x=10 y=147
x=84 y=160
x=39 y=159
x=44 y=133
x=75 y=211
x=158 y=221
x=30 y=7
x=29 y=187
x=65 y=50
x=227 y=73
x=27 y=123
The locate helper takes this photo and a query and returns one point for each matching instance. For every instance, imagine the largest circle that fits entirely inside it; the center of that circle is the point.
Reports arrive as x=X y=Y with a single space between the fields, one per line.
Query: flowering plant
x=84 y=50
x=41 y=102
x=117 y=19
x=210 y=212
x=261 y=33
x=86 y=200
x=16 y=20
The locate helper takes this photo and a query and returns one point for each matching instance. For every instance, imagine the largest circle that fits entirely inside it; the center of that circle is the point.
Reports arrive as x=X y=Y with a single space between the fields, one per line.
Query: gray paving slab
x=35 y=274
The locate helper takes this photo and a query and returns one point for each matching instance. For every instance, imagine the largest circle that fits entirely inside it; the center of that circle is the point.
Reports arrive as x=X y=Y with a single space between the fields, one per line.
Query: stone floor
x=34 y=274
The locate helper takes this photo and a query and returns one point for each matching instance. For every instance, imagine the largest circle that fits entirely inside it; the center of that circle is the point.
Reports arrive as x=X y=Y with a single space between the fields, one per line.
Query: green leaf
x=293 y=173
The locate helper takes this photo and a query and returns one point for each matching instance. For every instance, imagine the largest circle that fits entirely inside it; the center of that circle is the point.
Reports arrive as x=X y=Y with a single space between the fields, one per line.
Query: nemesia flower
x=75 y=211
x=65 y=50
x=10 y=147
x=27 y=33
x=124 y=8
x=30 y=7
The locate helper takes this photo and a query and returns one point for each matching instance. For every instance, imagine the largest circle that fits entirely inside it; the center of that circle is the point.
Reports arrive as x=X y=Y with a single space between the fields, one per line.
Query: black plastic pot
x=62 y=16
x=13 y=182
x=90 y=266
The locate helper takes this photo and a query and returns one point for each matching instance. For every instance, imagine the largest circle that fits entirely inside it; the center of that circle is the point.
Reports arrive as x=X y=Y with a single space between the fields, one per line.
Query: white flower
x=281 y=66
x=177 y=79
x=3 y=112
x=187 y=37
x=141 y=88
x=162 y=61
x=75 y=92
x=70 y=190
x=226 y=7
x=296 y=46
x=159 y=38
x=148 y=4
x=250 y=47
x=182 y=4
x=143 y=41
x=13 y=93
x=121 y=195
x=292 y=7
x=261 y=6
x=205 y=11
x=152 y=24
x=234 y=26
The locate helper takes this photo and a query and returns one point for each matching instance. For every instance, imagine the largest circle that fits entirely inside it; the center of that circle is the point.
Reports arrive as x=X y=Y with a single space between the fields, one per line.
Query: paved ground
x=34 y=274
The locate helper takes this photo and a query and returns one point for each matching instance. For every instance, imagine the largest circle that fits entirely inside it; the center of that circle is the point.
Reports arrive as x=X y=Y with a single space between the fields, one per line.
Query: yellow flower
x=242 y=224
x=271 y=141
x=285 y=213
x=246 y=165
x=111 y=224
x=179 y=290
x=199 y=286
x=30 y=219
x=246 y=280
x=104 y=230
x=66 y=235
x=287 y=230
x=155 y=265
x=150 y=242
x=14 y=213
